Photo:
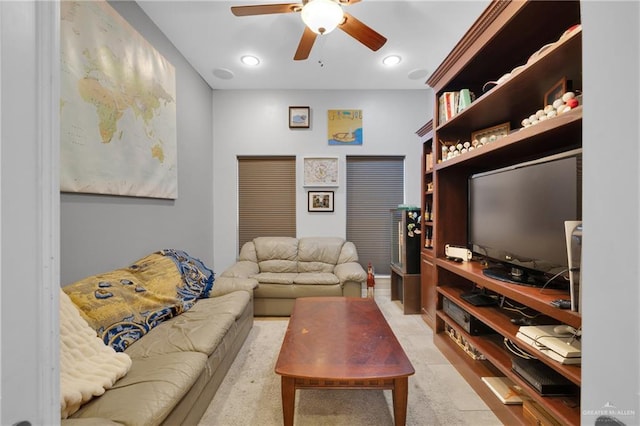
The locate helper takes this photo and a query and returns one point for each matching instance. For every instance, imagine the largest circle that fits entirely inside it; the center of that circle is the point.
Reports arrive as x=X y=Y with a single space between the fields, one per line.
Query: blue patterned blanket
x=124 y=304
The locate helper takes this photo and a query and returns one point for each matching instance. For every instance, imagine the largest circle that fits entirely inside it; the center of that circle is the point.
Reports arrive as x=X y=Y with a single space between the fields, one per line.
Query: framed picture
x=556 y=91
x=320 y=201
x=299 y=117
x=320 y=171
x=492 y=133
x=344 y=126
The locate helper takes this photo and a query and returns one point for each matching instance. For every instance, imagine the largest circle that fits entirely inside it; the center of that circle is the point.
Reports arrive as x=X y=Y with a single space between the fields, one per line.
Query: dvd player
x=464 y=319
x=542 y=378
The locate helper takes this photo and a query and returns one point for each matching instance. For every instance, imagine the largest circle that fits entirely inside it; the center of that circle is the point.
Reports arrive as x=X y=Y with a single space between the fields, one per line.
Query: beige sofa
x=285 y=268
x=178 y=365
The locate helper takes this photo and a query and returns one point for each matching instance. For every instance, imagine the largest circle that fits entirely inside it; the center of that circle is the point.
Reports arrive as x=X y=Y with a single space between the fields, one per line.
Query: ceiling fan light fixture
x=322 y=16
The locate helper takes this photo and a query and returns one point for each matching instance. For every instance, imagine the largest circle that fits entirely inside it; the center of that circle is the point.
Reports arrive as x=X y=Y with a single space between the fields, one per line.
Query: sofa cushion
x=277 y=254
x=248 y=252
x=275 y=278
x=154 y=385
x=293 y=291
x=349 y=253
x=88 y=367
x=316 y=278
x=124 y=304
x=318 y=254
x=201 y=329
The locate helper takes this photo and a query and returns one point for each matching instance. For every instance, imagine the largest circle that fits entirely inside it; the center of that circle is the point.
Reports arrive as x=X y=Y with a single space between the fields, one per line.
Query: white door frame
x=34 y=37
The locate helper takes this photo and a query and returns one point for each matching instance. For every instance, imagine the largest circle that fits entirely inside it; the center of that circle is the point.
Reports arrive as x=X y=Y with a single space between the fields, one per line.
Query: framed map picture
x=321 y=171
x=117 y=107
x=344 y=126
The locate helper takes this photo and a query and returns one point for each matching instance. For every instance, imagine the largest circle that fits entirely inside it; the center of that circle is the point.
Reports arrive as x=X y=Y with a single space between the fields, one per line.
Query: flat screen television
x=516 y=219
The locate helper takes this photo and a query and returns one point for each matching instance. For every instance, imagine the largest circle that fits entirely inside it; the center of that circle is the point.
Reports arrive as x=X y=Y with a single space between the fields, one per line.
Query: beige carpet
x=250 y=393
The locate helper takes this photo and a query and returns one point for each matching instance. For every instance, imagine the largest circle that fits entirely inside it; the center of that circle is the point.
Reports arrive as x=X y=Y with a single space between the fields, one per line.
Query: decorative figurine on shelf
x=371 y=281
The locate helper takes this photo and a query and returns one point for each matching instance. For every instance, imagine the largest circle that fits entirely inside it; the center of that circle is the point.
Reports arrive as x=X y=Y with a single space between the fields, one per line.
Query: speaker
x=573 y=233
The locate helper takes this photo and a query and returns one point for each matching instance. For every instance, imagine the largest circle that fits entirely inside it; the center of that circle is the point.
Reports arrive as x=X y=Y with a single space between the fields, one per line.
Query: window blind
x=266 y=197
x=375 y=185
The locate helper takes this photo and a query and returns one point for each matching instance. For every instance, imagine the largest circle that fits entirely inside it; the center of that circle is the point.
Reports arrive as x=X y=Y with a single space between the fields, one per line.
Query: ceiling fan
x=320 y=17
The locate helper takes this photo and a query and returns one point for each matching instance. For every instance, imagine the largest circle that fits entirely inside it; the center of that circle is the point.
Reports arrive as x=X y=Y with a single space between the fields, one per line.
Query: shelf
x=556 y=134
x=530 y=296
x=499 y=320
x=473 y=371
x=565 y=409
x=521 y=95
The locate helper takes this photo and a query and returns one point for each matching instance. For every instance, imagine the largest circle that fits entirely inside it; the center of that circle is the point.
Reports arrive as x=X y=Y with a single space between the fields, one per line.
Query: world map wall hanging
x=117 y=107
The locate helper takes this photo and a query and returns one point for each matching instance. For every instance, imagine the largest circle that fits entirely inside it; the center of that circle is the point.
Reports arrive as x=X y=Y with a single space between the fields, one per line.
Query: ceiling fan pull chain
x=321 y=51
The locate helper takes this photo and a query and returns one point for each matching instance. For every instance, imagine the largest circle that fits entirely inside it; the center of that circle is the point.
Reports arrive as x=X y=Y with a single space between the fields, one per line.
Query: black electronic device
x=479 y=299
x=542 y=378
x=517 y=215
x=464 y=319
x=561 y=303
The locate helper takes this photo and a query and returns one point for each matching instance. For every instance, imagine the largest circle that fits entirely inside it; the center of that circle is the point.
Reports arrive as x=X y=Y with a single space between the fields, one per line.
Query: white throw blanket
x=87 y=366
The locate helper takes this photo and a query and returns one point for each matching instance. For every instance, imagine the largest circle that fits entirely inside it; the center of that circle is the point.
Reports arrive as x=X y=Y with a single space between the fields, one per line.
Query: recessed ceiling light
x=250 y=60
x=391 y=60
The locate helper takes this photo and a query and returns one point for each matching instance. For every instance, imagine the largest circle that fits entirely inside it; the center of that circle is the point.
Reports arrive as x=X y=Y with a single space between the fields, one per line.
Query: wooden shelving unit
x=427 y=227
x=508 y=37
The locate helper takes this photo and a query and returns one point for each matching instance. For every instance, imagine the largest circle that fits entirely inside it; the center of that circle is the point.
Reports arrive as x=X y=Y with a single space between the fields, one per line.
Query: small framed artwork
x=320 y=171
x=320 y=201
x=556 y=92
x=299 y=117
x=344 y=126
x=492 y=133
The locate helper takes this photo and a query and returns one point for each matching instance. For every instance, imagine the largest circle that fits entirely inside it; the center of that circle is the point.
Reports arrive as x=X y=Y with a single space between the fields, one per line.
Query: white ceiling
x=210 y=37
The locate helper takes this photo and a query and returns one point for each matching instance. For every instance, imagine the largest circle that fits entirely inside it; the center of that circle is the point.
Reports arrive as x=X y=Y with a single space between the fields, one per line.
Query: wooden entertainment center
x=539 y=45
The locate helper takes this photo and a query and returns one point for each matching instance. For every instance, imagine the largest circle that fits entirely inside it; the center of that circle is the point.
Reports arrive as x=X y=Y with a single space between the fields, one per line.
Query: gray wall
x=254 y=122
x=99 y=233
x=610 y=368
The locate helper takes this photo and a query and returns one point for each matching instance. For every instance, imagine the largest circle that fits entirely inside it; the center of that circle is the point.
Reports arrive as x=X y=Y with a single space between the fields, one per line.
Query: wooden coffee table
x=341 y=343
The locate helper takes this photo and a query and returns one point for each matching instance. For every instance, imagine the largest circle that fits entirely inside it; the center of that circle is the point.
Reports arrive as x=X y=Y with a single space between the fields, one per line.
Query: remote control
x=561 y=303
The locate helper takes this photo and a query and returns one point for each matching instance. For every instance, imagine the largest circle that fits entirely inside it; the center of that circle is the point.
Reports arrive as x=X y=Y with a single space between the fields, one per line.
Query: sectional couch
x=285 y=268
x=174 y=338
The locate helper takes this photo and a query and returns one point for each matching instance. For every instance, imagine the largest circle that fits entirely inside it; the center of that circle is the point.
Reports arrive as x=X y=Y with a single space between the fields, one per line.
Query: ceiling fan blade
x=265 y=9
x=305 y=45
x=363 y=33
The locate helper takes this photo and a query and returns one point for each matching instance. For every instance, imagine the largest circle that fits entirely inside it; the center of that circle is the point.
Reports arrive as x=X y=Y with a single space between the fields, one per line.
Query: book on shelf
x=504 y=389
x=428 y=161
x=464 y=99
x=453 y=102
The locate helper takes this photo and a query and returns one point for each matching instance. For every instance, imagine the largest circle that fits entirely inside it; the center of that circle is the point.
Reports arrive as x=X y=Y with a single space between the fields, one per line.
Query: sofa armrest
x=225 y=285
x=350 y=271
x=241 y=269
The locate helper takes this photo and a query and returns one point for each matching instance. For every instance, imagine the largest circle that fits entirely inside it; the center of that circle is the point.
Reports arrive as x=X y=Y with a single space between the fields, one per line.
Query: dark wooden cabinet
x=517 y=40
x=405 y=288
x=428 y=290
